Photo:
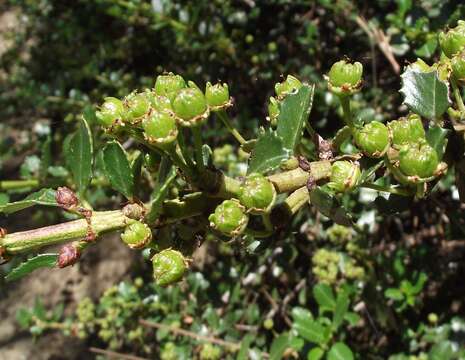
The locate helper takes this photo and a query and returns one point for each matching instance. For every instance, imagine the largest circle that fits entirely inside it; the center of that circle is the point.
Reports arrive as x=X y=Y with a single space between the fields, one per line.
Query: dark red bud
x=66 y=198
x=68 y=255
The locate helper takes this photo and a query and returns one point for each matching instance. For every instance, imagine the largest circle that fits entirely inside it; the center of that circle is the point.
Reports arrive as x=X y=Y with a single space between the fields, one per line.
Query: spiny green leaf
x=44 y=197
x=118 y=169
x=268 y=153
x=294 y=112
x=425 y=94
x=79 y=156
x=340 y=351
x=39 y=261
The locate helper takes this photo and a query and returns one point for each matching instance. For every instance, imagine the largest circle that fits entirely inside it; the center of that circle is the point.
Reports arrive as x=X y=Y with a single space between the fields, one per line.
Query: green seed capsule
x=453 y=41
x=406 y=130
x=110 y=111
x=373 y=139
x=137 y=105
x=137 y=235
x=217 y=96
x=345 y=78
x=458 y=67
x=418 y=159
x=190 y=107
x=288 y=86
x=229 y=218
x=257 y=194
x=160 y=128
x=169 y=266
x=344 y=175
x=167 y=85
x=273 y=111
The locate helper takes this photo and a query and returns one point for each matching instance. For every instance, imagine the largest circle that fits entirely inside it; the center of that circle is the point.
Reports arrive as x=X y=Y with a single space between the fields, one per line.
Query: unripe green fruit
x=110 y=111
x=418 y=159
x=217 y=96
x=268 y=324
x=433 y=318
x=137 y=235
x=344 y=175
x=406 y=130
x=453 y=41
x=458 y=67
x=229 y=218
x=273 y=111
x=160 y=128
x=257 y=193
x=169 y=84
x=345 y=78
x=137 y=105
x=210 y=352
x=190 y=106
x=169 y=266
x=373 y=139
x=288 y=86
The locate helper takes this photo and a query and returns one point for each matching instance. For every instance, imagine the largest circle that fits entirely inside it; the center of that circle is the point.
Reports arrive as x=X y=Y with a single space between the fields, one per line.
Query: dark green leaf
x=340 y=351
x=79 y=156
x=118 y=170
x=329 y=206
x=279 y=345
x=294 y=112
x=424 y=93
x=136 y=169
x=342 y=305
x=437 y=139
x=44 y=197
x=43 y=260
x=269 y=152
x=324 y=296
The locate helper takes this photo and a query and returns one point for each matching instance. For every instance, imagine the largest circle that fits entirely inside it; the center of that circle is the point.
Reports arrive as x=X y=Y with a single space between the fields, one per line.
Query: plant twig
x=115 y=355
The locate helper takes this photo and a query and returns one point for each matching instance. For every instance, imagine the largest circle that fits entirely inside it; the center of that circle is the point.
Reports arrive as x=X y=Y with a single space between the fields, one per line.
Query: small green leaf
x=243 y=353
x=441 y=351
x=324 y=296
x=342 y=305
x=301 y=314
x=428 y=48
x=340 y=351
x=44 y=197
x=311 y=331
x=43 y=260
x=136 y=169
x=118 y=169
x=79 y=156
x=315 y=354
x=437 y=139
x=294 y=112
x=425 y=94
x=329 y=206
x=279 y=345
x=268 y=153
x=394 y=294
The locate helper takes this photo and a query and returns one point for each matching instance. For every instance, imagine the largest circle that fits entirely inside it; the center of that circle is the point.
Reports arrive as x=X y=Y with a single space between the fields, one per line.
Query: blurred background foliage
x=402 y=280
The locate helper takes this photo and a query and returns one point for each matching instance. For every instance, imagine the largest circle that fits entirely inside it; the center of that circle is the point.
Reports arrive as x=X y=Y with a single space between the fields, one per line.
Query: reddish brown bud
x=2 y=232
x=66 y=198
x=69 y=255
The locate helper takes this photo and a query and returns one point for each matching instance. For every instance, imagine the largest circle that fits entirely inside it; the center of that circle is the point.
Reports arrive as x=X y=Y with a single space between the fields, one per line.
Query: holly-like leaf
x=340 y=351
x=39 y=261
x=268 y=153
x=118 y=169
x=44 y=197
x=79 y=156
x=294 y=112
x=425 y=94
x=330 y=207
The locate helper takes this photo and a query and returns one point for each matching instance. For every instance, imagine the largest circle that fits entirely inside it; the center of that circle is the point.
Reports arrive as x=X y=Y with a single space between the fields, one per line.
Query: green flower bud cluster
x=338 y=234
x=169 y=352
x=289 y=86
x=329 y=268
x=137 y=235
x=345 y=175
x=169 y=266
x=453 y=40
x=210 y=352
x=256 y=195
x=345 y=78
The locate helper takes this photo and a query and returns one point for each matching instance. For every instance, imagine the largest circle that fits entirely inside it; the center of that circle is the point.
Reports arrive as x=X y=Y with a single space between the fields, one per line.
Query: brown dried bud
x=66 y=198
x=69 y=255
x=2 y=232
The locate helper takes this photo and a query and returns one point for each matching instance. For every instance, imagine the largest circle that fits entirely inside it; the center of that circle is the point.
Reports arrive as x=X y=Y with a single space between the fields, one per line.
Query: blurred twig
x=115 y=355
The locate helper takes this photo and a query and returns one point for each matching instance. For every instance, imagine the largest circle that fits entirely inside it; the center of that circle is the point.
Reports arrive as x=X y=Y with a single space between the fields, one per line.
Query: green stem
x=283 y=212
x=179 y=162
x=227 y=123
x=345 y=103
x=198 y=143
x=388 y=189
x=458 y=97
x=183 y=147
x=18 y=184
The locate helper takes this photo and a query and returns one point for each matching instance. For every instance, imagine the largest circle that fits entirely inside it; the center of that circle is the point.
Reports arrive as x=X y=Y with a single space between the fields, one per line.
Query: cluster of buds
x=159 y=112
x=257 y=195
x=290 y=85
